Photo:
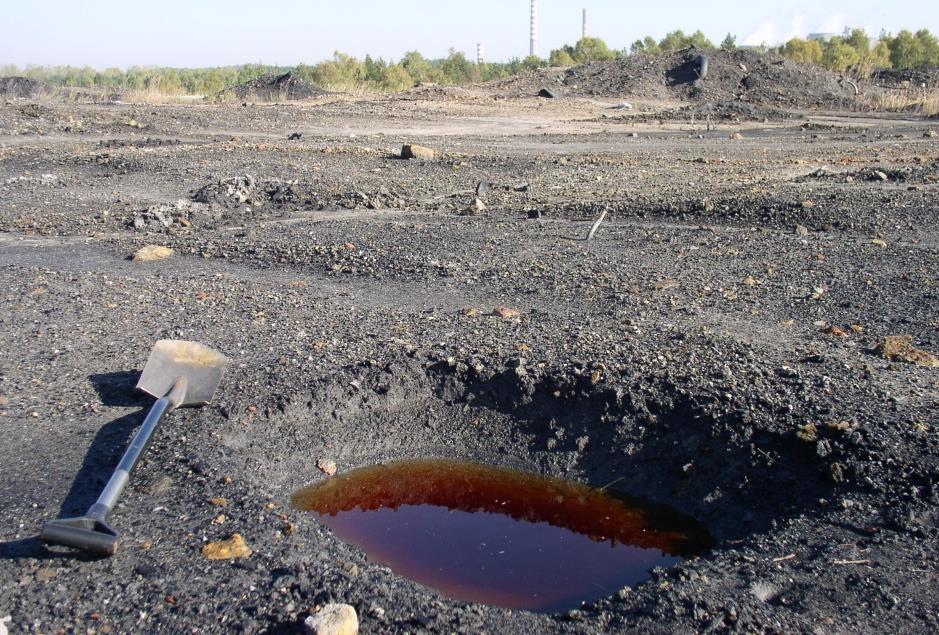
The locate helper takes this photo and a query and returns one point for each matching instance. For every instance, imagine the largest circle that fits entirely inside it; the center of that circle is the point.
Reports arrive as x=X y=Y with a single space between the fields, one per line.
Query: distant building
x=821 y=37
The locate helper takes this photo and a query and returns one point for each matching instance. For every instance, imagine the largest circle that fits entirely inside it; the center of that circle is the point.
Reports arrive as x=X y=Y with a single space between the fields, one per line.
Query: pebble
x=332 y=619
x=152 y=253
x=505 y=312
x=475 y=207
x=228 y=549
x=327 y=466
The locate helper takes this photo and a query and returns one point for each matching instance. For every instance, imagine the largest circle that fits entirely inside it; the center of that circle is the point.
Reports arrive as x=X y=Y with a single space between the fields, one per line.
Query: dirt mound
x=286 y=87
x=22 y=87
x=734 y=111
x=747 y=76
x=435 y=92
x=926 y=77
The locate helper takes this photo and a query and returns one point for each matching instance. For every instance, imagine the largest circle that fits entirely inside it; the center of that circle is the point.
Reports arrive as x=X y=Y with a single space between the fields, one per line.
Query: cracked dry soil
x=713 y=348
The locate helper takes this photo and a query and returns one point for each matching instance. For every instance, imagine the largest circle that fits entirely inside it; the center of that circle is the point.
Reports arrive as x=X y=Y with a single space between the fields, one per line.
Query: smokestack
x=583 y=31
x=479 y=52
x=533 y=42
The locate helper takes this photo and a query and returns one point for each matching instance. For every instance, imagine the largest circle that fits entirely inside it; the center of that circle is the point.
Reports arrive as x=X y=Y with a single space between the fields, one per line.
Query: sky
x=196 y=33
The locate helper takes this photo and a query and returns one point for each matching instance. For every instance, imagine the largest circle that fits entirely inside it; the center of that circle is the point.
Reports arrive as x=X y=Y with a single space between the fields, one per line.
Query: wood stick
x=596 y=225
x=851 y=562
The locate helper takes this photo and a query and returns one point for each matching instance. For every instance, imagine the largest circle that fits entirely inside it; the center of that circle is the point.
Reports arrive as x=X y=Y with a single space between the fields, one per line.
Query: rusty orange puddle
x=497 y=536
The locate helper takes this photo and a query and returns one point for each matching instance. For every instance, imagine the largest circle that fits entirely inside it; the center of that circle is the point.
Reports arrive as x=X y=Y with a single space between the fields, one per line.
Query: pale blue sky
x=120 y=33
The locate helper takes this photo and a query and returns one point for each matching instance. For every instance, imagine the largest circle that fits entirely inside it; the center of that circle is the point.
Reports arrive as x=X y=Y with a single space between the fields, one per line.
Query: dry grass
x=918 y=101
x=153 y=96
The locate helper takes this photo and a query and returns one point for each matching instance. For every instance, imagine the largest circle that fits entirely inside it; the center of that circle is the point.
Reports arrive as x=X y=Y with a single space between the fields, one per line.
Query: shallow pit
x=498 y=536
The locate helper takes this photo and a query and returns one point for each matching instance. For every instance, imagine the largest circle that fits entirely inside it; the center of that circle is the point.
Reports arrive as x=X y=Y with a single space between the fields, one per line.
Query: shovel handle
x=138 y=446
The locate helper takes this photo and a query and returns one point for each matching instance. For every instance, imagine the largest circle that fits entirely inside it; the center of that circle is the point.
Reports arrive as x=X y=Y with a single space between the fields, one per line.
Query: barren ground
x=713 y=348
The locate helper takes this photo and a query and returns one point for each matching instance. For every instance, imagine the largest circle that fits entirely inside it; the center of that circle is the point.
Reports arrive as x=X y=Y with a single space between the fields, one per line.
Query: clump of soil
x=233 y=200
x=180 y=215
x=245 y=190
x=916 y=173
x=749 y=76
x=146 y=142
x=285 y=87
x=22 y=87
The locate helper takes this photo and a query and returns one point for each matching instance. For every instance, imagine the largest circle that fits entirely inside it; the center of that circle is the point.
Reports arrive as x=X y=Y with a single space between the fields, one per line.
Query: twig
x=791 y=556
x=851 y=562
x=596 y=225
x=613 y=482
x=853 y=85
x=774 y=461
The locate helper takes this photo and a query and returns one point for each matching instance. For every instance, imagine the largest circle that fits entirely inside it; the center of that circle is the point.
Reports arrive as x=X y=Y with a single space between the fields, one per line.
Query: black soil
x=284 y=87
x=22 y=87
x=715 y=348
x=745 y=76
x=923 y=78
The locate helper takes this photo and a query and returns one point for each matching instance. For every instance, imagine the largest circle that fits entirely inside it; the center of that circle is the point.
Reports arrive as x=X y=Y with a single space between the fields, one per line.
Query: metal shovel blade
x=170 y=360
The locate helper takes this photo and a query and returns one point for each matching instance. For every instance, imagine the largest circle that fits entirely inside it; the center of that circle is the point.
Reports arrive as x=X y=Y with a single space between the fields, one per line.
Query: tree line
x=853 y=51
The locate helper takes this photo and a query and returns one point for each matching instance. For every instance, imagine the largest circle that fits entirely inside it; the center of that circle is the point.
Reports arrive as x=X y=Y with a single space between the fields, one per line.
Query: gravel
x=682 y=353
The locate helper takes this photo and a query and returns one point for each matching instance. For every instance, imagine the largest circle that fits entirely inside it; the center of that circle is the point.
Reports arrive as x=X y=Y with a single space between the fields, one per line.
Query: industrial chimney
x=479 y=53
x=533 y=42
x=583 y=31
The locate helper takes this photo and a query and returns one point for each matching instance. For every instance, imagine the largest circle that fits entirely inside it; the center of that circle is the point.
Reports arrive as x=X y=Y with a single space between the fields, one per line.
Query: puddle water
x=498 y=536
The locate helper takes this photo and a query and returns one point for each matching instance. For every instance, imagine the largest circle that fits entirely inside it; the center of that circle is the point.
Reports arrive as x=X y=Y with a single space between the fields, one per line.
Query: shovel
x=178 y=374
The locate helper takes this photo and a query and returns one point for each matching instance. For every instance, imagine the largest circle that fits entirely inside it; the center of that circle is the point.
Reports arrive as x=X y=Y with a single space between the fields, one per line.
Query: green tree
x=457 y=69
x=679 y=40
x=699 y=40
x=803 y=51
x=839 y=55
x=561 y=57
x=729 y=43
x=532 y=62
x=395 y=78
x=906 y=51
x=880 y=54
x=930 y=47
x=645 y=45
x=419 y=68
x=373 y=70
x=859 y=41
x=592 y=49
x=341 y=72
x=674 y=41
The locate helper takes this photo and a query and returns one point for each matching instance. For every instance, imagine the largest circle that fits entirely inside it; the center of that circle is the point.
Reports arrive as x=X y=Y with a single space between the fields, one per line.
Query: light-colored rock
x=332 y=619
x=234 y=547
x=3 y=624
x=899 y=348
x=414 y=151
x=152 y=253
x=327 y=466
x=505 y=312
x=475 y=207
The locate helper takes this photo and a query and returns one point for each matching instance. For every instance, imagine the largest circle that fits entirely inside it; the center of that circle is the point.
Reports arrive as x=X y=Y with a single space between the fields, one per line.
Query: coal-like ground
x=714 y=347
